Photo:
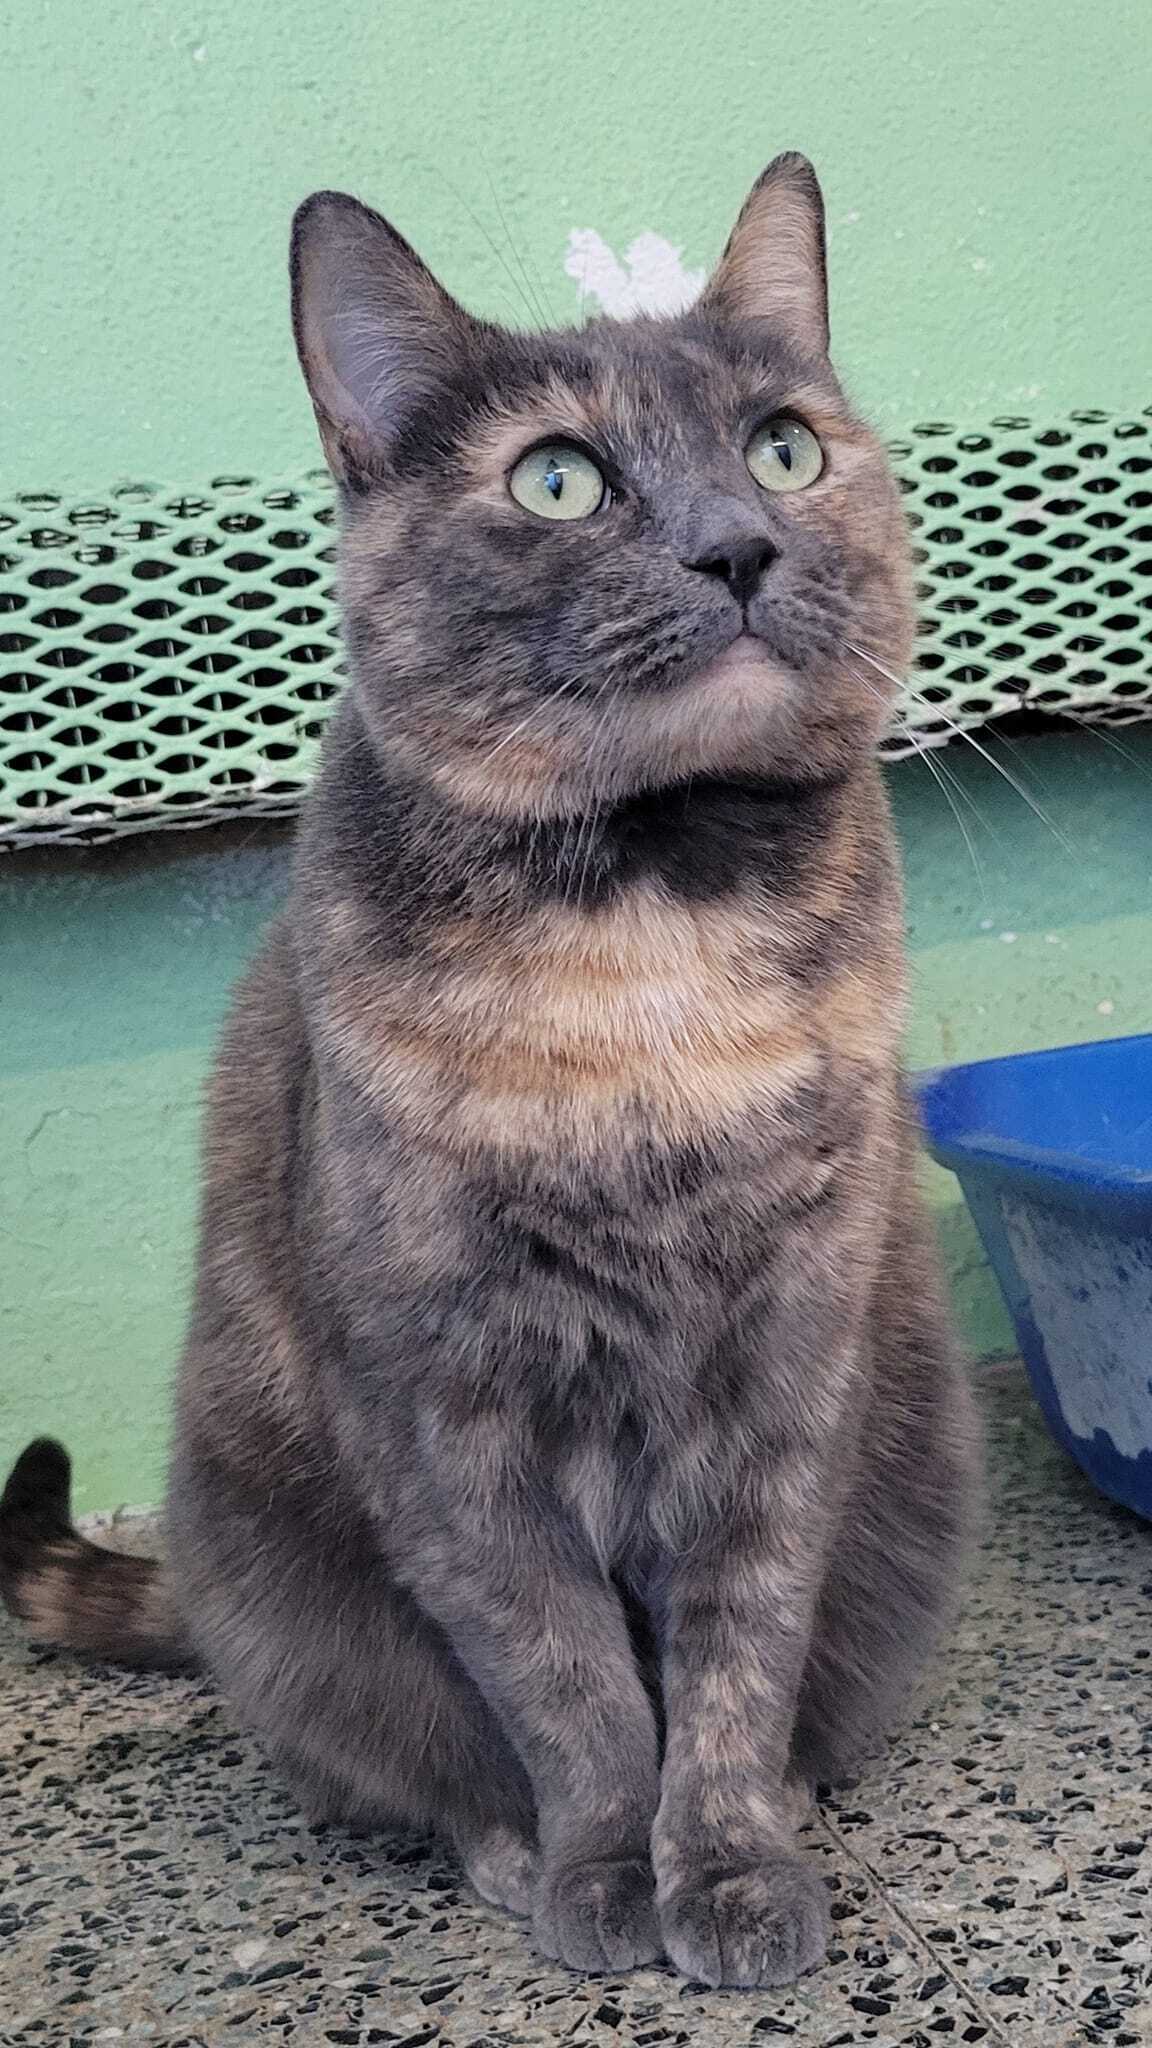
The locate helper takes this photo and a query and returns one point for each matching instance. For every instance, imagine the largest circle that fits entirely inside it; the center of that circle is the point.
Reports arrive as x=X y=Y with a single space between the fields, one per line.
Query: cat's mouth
x=741 y=658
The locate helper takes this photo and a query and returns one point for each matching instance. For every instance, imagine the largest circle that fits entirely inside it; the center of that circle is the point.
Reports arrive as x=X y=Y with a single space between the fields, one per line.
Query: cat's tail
x=71 y=1592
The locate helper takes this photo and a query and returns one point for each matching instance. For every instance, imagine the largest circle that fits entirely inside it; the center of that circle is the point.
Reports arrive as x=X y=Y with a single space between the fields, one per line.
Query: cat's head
x=581 y=563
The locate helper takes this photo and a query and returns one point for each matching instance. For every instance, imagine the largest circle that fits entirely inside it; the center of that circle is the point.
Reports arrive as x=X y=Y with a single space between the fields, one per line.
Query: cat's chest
x=569 y=1033
x=645 y=1007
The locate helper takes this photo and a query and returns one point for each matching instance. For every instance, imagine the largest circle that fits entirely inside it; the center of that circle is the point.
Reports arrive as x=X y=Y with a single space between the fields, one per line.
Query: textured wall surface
x=986 y=168
x=989 y=187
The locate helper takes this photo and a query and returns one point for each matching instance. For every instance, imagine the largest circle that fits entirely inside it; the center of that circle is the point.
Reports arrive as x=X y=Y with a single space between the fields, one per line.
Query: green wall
x=989 y=187
x=987 y=173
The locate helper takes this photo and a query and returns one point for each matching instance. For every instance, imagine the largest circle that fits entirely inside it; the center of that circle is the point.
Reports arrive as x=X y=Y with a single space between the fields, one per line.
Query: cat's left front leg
x=738 y=1903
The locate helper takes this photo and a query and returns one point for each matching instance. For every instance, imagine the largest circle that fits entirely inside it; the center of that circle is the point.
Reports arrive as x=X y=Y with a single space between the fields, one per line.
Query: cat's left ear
x=773 y=267
x=377 y=336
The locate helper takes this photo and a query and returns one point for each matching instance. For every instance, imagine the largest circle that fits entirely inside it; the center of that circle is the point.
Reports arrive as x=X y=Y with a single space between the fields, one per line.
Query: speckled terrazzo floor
x=991 y=1881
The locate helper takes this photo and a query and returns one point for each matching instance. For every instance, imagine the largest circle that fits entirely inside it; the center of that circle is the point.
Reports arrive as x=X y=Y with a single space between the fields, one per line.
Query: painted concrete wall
x=989 y=188
x=987 y=174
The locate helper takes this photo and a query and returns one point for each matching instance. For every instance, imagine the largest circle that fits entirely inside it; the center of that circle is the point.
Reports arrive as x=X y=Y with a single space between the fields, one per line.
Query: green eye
x=783 y=455
x=558 y=482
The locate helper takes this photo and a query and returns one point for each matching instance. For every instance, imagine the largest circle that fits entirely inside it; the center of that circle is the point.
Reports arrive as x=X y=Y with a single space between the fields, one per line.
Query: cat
x=571 y=1454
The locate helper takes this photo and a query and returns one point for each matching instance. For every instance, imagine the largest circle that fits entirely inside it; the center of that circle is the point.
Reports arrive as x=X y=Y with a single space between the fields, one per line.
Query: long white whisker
x=585 y=838
x=967 y=797
x=942 y=777
x=1109 y=740
x=572 y=687
x=589 y=844
x=937 y=770
x=962 y=733
x=598 y=808
x=571 y=851
x=992 y=669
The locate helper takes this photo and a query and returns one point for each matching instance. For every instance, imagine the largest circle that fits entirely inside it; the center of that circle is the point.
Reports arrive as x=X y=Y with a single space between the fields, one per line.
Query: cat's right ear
x=375 y=333
x=774 y=266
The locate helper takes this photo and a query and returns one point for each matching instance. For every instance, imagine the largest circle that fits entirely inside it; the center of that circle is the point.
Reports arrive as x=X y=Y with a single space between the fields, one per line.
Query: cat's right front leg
x=544 y=1637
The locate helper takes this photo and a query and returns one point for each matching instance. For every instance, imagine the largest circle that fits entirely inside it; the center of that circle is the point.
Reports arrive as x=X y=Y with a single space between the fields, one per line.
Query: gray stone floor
x=991 y=1880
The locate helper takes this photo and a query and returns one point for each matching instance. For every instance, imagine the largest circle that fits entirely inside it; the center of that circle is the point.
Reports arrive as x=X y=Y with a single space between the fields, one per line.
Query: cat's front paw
x=761 y=1925
x=598 y=1916
x=503 y=1867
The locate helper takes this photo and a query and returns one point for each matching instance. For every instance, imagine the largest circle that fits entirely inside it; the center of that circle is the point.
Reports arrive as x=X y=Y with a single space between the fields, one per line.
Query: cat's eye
x=784 y=455
x=558 y=482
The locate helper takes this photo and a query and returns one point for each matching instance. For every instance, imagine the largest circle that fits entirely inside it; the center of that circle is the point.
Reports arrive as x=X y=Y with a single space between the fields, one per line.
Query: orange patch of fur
x=577 y=1019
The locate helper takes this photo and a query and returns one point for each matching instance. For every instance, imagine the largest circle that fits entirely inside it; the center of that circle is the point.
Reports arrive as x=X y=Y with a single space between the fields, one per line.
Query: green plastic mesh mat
x=169 y=657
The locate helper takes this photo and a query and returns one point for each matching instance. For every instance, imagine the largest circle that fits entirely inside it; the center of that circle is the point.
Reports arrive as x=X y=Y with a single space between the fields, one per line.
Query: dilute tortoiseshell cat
x=570 y=1453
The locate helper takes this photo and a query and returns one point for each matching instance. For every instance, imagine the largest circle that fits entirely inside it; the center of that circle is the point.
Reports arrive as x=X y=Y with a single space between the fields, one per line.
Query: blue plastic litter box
x=1054 y=1153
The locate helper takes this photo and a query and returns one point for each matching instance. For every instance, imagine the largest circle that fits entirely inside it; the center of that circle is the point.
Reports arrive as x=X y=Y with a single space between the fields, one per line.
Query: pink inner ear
x=773 y=267
x=381 y=362
x=375 y=332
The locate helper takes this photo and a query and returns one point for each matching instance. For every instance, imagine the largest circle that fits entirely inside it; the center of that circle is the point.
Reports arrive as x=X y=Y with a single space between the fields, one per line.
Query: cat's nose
x=739 y=553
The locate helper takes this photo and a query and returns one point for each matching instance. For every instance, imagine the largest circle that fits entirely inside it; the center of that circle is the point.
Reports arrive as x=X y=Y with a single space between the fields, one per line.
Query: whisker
x=585 y=839
x=573 y=687
x=427 y=165
x=938 y=776
x=965 y=795
x=946 y=782
x=589 y=844
x=993 y=668
x=962 y=733
x=598 y=807
x=570 y=851
x=1013 y=783
x=985 y=822
x=514 y=732
x=1109 y=740
x=541 y=315
x=1016 y=749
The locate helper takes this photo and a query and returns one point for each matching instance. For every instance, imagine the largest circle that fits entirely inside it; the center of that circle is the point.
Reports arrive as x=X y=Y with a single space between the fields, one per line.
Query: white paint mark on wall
x=649 y=278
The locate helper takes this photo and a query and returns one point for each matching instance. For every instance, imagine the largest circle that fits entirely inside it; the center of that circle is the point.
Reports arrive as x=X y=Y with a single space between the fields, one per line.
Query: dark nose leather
x=727 y=543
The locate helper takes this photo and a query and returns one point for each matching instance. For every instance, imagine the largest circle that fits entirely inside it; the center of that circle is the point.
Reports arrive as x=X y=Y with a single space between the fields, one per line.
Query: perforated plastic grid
x=1035 y=549
x=167 y=658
